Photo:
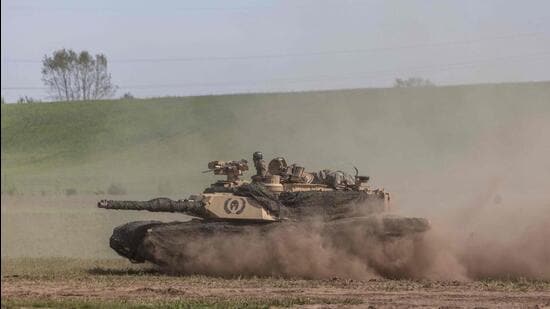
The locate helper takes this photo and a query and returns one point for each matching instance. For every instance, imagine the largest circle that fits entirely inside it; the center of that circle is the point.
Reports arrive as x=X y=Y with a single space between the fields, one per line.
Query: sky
x=179 y=48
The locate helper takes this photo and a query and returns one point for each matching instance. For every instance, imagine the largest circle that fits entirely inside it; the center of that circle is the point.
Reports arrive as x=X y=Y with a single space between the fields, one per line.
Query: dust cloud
x=490 y=215
x=476 y=250
x=306 y=250
x=309 y=251
x=498 y=225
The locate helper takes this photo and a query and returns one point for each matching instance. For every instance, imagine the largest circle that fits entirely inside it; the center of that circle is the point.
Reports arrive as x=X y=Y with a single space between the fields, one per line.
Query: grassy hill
x=159 y=146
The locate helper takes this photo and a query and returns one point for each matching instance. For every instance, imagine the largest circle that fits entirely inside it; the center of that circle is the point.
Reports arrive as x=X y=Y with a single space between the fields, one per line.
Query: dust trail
x=501 y=242
x=494 y=213
x=310 y=250
x=306 y=250
x=490 y=219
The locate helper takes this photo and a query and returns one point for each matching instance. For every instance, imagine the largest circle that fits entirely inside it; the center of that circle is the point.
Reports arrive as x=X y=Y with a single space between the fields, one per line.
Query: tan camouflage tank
x=277 y=194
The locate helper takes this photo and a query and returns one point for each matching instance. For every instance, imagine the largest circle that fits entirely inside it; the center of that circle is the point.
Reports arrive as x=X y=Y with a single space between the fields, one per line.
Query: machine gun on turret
x=232 y=169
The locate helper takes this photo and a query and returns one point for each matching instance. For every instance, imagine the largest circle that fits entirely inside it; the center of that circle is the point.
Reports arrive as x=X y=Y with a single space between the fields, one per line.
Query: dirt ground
x=378 y=293
x=115 y=283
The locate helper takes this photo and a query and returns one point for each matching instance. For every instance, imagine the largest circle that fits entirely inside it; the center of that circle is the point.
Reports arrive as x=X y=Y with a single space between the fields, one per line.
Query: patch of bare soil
x=379 y=293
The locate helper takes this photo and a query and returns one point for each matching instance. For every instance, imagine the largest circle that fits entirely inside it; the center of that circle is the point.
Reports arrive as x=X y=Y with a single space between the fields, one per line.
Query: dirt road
x=108 y=286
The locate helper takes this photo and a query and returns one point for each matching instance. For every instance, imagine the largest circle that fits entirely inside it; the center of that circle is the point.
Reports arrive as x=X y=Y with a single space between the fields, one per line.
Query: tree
x=72 y=76
x=413 y=82
x=127 y=96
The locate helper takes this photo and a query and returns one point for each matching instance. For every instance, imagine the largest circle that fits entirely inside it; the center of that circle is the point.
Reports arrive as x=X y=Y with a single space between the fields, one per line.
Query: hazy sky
x=172 y=47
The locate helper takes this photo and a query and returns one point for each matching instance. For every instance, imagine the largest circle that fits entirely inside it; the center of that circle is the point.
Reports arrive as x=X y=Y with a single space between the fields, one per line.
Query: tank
x=278 y=196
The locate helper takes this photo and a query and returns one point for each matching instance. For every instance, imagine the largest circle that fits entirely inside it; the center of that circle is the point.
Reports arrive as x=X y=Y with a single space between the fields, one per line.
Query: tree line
x=73 y=76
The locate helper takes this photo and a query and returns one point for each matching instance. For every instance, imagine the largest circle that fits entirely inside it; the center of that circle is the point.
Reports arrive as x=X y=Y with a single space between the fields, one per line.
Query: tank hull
x=175 y=244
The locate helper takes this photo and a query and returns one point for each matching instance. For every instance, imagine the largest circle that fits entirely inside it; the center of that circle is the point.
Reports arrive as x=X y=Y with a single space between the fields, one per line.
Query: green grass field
x=436 y=149
x=159 y=146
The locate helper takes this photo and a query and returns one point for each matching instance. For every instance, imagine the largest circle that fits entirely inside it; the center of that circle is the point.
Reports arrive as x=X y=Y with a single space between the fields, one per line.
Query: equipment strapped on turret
x=232 y=169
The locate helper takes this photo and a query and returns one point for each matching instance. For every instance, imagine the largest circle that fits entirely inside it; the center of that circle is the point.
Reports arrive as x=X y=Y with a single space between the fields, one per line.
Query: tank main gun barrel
x=193 y=208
